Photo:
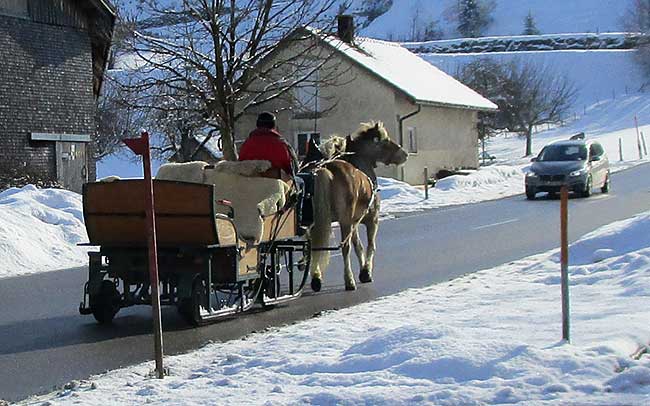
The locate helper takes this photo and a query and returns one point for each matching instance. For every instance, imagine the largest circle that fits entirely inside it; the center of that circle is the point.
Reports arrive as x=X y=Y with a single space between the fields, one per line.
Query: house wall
x=46 y=85
x=447 y=139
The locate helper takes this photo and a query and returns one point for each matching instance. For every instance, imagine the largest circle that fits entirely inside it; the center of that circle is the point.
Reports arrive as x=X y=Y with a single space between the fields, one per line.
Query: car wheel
x=588 y=186
x=606 y=185
x=530 y=193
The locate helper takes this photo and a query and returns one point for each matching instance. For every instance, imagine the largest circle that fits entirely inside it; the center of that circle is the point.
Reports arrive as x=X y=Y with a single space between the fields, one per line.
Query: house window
x=303 y=140
x=14 y=8
x=412 y=140
x=306 y=100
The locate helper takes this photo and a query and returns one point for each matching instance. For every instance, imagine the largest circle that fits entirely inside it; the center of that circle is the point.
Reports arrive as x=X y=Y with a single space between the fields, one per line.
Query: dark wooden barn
x=52 y=59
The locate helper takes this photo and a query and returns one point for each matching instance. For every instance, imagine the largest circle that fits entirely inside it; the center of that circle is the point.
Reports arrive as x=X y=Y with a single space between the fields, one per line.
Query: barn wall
x=46 y=86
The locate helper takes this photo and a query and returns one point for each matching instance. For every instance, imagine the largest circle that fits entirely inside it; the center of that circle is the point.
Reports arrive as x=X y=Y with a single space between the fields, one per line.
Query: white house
x=432 y=115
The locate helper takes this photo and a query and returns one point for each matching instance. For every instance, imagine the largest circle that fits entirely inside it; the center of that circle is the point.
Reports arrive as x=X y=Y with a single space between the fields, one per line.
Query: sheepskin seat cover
x=185 y=172
x=251 y=197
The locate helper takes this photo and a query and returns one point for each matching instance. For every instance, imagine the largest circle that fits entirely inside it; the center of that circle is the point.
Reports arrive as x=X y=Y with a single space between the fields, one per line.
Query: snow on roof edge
x=330 y=40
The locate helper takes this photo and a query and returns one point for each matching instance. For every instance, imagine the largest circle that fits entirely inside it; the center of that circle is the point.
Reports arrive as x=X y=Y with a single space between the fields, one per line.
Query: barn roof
x=418 y=79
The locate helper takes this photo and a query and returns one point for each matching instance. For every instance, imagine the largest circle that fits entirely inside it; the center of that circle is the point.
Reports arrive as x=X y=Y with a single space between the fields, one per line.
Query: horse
x=345 y=191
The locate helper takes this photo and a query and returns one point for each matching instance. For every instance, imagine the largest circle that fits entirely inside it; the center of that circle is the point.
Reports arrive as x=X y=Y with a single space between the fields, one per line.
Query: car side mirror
x=533 y=159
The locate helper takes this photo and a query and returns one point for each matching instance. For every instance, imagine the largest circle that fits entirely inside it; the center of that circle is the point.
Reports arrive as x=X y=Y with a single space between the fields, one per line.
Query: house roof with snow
x=416 y=78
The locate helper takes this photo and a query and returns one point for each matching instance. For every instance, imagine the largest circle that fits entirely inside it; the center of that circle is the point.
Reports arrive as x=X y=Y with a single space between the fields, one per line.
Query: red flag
x=138 y=145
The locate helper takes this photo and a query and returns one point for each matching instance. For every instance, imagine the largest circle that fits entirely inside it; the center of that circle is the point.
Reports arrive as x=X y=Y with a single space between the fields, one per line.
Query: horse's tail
x=320 y=232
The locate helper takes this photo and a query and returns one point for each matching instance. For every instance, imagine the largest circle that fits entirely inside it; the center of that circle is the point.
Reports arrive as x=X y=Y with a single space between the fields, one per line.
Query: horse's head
x=371 y=141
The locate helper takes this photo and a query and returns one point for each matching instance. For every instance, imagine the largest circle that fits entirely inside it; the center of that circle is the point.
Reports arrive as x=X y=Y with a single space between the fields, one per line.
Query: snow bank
x=492 y=337
x=39 y=230
x=487 y=183
x=616 y=239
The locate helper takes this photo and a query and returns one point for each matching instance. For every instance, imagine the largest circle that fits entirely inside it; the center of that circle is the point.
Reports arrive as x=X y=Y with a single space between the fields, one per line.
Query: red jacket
x=266 y=144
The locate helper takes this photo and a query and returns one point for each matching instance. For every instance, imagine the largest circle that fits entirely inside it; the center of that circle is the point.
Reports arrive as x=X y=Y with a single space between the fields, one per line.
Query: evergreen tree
x=473 y=16
x=530 y=28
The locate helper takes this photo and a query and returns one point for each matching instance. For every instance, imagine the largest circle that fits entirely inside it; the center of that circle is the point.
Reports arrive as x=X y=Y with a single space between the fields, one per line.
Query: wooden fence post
x=645 y=148
x=638 y=137
x=620 y=149
x=426 y=183
x=564 y=260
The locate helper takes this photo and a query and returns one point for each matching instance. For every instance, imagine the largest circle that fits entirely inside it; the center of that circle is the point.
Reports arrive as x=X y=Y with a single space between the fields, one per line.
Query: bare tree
x=532 y=96
x=211 y=54
x=116 y=118
x=420 y=28
x=527 y=95
x=637 y=19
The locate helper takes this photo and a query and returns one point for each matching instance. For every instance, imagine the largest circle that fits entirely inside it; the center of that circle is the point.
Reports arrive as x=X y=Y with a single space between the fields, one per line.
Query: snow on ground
x=39 y=230
x=489 y=183
x=493 y=337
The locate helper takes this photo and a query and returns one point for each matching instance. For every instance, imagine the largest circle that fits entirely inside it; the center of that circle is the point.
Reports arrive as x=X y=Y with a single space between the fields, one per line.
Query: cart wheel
x=190 y=308
x=106 y=303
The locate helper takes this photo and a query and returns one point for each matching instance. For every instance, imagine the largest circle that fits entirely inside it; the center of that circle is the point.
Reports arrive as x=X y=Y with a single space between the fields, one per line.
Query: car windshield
x=563 y=153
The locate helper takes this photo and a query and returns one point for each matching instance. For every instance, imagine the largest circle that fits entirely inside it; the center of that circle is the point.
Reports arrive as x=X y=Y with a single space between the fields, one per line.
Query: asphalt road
x=44 y=342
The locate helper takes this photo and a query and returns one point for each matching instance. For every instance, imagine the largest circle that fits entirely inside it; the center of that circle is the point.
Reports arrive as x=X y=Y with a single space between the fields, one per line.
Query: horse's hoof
x=350 y=287
x=315 y=284
x=364 y=276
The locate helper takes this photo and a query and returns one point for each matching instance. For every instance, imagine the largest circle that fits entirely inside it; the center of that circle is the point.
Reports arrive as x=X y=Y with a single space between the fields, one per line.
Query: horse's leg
x=346 y=229
x=372 y=225
x=358 y=248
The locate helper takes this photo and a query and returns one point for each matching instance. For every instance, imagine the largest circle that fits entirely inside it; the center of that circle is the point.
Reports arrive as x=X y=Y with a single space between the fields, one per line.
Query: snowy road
x=44 y=342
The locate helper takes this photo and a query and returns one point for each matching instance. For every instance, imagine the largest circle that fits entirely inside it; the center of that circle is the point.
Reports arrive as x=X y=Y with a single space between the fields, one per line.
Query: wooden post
x=426 y=183
x=620 y=149
x=564 y=260
x=645 y=148
x=141 y=147
x=638 y=137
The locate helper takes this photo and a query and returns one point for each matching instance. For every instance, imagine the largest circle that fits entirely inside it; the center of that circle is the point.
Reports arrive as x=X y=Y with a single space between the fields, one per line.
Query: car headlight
x=577 y=173
x=531 y=175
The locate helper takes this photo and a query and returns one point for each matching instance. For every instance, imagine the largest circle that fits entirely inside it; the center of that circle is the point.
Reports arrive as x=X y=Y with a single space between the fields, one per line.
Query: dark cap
x=266 y=120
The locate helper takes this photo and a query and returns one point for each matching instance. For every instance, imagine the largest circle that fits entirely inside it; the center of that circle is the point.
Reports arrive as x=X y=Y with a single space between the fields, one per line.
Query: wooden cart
x=206 y=268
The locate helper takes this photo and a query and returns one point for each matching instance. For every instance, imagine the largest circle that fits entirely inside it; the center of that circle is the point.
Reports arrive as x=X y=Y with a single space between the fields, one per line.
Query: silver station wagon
x=579 y=164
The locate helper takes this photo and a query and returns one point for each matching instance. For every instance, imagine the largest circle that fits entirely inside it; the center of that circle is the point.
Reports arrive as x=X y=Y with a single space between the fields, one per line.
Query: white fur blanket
x=251 y=197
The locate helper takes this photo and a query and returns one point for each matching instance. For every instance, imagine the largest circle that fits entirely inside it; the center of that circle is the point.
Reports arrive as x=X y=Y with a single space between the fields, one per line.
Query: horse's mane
x=365 y=127
x=335 y=145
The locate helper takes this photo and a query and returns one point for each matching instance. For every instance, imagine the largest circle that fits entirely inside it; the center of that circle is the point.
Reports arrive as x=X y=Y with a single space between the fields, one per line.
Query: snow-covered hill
x=597 y=75
x=551 y=16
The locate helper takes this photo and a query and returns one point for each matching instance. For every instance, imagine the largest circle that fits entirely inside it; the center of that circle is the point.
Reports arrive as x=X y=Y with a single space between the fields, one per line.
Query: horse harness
x=313 y=167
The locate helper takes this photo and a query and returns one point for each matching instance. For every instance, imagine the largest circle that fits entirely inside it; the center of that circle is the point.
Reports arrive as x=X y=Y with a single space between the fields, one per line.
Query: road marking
x=496 y=224
x=598 y=199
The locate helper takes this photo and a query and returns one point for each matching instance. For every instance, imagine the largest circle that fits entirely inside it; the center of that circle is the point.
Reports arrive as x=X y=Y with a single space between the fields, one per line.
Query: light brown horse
x=345 y=192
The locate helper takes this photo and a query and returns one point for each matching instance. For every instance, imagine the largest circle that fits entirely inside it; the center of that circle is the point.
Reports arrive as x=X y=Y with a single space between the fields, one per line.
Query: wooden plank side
x=114 y=213
x=127 y=196
x=280 y=227
x=130 y=231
